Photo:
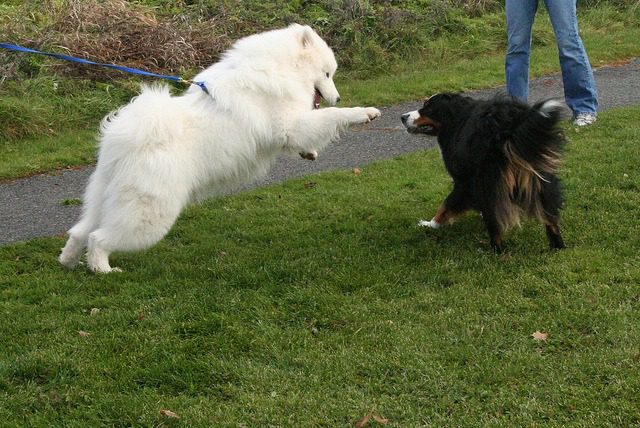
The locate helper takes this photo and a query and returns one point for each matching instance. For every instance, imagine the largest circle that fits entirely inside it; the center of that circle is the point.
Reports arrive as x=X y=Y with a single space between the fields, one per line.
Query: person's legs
x=579 y=84
x=520 y=16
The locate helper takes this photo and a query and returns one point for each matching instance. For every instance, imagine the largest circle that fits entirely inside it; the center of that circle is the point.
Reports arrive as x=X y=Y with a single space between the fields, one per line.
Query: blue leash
x=112 y=66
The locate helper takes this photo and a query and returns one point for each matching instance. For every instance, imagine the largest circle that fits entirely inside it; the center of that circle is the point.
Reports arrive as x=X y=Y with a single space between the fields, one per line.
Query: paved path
x=33 y=207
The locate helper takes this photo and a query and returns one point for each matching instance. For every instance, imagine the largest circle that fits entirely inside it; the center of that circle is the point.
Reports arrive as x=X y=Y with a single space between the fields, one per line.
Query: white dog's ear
x=307 y=36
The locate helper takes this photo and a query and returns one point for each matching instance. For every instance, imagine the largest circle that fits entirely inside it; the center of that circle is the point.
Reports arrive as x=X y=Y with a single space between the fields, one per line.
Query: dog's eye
x=327 y=74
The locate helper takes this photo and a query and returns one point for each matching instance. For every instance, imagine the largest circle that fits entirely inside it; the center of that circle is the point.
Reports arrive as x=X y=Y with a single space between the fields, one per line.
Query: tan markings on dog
x=553 y=228
x=521 y=183
x=425 y=121
x=507 y=213
x=445 y=215
x=549 y=162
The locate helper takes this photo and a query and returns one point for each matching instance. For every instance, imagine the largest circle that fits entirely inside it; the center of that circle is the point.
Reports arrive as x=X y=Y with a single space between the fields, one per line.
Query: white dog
x=160 y=152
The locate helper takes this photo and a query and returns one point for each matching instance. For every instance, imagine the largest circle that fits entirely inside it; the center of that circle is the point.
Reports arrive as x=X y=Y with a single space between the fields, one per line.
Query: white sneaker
x=584 y=119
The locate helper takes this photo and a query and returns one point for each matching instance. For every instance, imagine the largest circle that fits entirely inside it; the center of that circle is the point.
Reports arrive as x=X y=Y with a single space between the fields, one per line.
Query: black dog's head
x=437 y=110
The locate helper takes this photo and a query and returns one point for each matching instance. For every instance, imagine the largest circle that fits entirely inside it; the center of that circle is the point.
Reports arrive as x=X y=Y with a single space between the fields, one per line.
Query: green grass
x=298 y=305
x=476 y=59
x=39 y=154
x=49 y=123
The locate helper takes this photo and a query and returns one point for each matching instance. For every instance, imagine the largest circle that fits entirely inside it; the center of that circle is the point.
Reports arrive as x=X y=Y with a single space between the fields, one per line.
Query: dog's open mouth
x=425 y=125
x=317 y=98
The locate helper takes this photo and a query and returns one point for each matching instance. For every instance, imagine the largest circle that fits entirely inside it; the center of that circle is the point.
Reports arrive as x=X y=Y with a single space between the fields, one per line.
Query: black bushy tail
x=538 y=141
x=533 y=154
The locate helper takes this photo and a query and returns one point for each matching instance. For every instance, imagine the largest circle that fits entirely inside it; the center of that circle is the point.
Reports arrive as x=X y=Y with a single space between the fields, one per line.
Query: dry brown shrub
x=116 y=31
x=123 y=33
x=478 y=7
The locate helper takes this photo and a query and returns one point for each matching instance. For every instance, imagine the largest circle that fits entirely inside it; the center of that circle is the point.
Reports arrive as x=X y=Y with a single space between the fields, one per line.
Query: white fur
x=412 y=116
x=549 y=107
x=162 y=152
x=429 y=223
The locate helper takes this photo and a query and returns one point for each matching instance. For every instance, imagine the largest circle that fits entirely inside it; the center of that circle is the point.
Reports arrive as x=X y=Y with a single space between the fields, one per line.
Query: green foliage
x=368 y=36
x=46 y=153
x=388 y=52
x=314 y=306
x=45 y=105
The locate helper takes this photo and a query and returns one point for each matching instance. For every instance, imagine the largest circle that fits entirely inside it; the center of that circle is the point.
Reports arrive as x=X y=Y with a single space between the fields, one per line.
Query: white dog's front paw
x=429 y=223
x=68 y=262
x=309 y=155
x=105 y=270
x=371 y=113
x=364 y=114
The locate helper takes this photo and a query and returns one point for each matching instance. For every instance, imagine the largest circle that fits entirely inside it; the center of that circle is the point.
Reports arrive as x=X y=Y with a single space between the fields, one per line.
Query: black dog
x=502 y=155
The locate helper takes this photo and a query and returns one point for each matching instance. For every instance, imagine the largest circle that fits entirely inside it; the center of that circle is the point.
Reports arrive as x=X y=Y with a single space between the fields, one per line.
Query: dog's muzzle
x=416 y=124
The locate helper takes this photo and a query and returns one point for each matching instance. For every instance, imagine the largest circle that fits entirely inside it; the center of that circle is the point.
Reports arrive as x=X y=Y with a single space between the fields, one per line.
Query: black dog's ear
x=446 y=96
x=432 y=97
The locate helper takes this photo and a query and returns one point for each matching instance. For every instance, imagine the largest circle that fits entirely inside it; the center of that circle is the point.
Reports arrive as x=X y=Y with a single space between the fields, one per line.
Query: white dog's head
x=318 y=62
x=291 y=62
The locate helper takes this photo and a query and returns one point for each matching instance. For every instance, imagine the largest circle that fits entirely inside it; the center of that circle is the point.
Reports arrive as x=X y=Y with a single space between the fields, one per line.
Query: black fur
x=502 y=155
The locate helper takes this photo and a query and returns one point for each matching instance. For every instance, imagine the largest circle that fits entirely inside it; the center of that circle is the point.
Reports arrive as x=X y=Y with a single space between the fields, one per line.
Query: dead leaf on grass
x=94 y=312
x=539 y=336
x=365 y=420
x=84 y=333
x=310 y=184
x=357 y=171
x=362 y=422
x=380 y=420
x=169 y=414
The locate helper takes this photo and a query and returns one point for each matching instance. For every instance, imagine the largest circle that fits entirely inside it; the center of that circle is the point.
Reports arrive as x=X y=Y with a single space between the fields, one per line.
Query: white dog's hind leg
x=72 y=251
x=135 y=222
x=98 y=253
x=79 y=234
x=78 y=239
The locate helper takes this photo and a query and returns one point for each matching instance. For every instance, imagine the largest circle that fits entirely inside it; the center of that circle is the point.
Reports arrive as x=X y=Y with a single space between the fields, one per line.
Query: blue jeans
x=580 y=90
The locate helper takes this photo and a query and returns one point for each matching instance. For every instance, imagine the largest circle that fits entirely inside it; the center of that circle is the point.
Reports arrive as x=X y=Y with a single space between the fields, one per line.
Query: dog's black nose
x=337 y=100
x=404 y=118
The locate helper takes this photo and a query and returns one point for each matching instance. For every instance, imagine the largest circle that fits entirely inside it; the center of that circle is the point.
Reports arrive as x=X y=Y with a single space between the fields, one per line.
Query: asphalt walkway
x=34 y=207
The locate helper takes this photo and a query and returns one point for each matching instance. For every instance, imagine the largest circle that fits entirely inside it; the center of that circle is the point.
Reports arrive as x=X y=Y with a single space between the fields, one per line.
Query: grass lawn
x=317 y=305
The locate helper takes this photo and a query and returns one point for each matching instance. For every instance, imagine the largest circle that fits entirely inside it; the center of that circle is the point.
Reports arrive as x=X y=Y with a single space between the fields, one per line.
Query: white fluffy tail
x=550 y=107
